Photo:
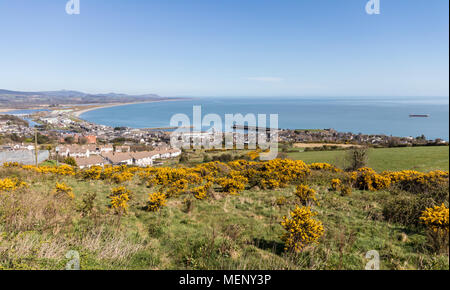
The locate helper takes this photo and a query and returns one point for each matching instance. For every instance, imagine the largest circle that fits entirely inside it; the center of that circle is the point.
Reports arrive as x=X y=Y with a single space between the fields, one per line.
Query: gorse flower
x=305 y=194
x=301 y=229
x=11 y=184
x=437 y=219
x=119 y=199
x=336 y=184
x=156 y=201
x=63 y=190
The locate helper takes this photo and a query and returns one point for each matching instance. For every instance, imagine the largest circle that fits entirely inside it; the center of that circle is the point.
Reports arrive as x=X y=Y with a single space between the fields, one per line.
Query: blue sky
x=227 y=47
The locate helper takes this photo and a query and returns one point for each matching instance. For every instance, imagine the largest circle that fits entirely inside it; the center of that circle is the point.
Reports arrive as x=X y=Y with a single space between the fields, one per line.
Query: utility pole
x=35 y=146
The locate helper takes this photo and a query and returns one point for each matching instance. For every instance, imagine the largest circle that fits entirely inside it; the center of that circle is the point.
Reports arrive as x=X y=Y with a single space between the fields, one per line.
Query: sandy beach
x=78 y=113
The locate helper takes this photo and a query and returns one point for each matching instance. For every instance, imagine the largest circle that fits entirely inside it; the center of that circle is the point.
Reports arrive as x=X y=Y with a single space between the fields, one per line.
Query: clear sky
x=227 y=47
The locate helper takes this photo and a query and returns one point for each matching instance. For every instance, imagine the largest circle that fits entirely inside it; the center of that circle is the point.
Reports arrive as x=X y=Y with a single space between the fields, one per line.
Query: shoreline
x=78 y=113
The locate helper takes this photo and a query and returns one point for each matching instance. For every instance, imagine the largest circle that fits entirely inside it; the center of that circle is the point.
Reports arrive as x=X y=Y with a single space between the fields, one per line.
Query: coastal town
x=62 y=133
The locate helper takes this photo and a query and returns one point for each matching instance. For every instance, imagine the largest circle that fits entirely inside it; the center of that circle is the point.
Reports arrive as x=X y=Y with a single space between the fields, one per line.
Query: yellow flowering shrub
x=436 y=219
x=121 y=177
x=305 y=194
x=324 y=166
x=63 y=190
x=11 y=184
x=201 y=192
x=301 y=229
x=367 y=179
x=336 y=184
x=177 y=188
x=93 y=173
x=11 y=164
x=253 y=155
x=119 y=199
x=232 y=185
x=417 y=182
x=156 y=201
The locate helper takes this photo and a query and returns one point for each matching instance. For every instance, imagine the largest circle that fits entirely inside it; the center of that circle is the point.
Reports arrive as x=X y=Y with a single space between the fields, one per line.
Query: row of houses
x=142 y=159
x=81 y=151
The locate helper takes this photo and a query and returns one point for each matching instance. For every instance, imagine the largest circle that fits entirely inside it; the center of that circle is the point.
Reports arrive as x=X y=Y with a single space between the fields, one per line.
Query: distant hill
x=17 y=99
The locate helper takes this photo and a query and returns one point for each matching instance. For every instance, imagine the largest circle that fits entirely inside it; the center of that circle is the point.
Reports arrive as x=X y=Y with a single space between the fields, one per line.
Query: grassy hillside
x=423 y=159
x=223 y=231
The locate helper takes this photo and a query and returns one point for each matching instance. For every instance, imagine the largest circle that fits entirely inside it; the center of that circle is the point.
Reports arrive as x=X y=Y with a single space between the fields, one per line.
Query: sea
x=388 y=116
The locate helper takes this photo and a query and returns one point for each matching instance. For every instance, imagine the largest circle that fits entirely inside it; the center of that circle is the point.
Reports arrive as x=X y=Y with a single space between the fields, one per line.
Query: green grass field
x=222 y=232
x=395 y=159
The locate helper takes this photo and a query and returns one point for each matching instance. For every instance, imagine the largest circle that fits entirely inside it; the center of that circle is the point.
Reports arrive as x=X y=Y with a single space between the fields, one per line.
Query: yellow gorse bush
x=63 y=190
x=336 y=184
x=11 y=184
x=305 y=194
x=301 y=229
x=367 y=179
x=232 y=185
x=324 y=166
x=436 y=219
x=201 y=192
x=119 y=199
x=414 y=181
x=156 y=201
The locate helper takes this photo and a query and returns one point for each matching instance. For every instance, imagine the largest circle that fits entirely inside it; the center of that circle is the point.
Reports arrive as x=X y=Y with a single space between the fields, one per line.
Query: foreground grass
x=223 y=232
x=424 y=159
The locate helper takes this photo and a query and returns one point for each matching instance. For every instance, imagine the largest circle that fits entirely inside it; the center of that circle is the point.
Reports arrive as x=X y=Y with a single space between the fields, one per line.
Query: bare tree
x=357 y=157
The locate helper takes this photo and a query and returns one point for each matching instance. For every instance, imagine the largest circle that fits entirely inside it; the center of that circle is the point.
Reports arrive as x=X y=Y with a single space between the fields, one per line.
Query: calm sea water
x=365 y=115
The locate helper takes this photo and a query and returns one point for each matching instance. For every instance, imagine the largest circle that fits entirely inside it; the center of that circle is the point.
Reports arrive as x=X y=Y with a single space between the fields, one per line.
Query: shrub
x=367 y=179
x=336 y=184
x=87 y=203
x=437 y=221
x=11 y=184
x=232 y=185
x=346 y=190
x=156 y=201
x=201 y=192
x=119 y=199
x=306 y=195
x=62 y=190
x=357 y=157
x=406 y=209
x=122 y=177
x=70 y=161
x=301 y=229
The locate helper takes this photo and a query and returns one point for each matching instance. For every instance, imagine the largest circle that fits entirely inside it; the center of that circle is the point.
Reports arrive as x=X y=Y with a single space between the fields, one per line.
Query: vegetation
x=414 y=158
x=280 y=214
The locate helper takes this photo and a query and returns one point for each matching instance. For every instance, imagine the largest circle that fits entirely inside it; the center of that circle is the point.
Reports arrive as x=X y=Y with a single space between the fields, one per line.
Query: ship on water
x=419 y=116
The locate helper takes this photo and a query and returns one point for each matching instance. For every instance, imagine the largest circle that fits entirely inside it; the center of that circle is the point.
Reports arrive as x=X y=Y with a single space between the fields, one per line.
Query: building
x=119 y=158
x=88 y=162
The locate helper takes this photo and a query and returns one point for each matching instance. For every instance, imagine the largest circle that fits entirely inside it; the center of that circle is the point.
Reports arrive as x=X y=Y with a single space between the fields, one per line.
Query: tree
x=357 y=157
x=70 y=161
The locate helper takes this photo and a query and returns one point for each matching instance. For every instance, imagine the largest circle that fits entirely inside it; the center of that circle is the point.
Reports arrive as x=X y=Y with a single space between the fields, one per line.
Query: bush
x=156 y=201
x=306 y=195
x=70 y=161
x=301 y=229
x=119 y=199
x=437 y=221
x=357 y=157
x=406 y=209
